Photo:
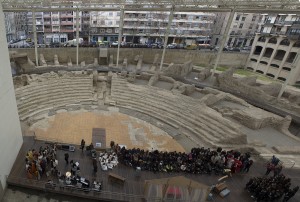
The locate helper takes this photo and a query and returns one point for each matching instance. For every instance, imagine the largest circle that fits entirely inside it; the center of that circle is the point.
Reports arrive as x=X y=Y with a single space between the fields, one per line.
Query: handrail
x=65 y=189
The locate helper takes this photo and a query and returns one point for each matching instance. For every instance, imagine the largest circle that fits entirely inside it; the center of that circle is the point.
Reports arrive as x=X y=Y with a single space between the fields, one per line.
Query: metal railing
x=72 y=190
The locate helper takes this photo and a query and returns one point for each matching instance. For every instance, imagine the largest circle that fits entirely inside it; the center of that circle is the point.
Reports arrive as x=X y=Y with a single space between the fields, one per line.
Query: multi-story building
x=276 y=47
x=186 y=27
x=39 y=19
x=58 y=26
x=15 y=25
x=104 y=26
x=242 y=29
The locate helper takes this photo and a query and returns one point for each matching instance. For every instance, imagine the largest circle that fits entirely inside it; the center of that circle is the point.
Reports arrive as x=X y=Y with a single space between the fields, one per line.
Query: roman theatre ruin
x=141 y=106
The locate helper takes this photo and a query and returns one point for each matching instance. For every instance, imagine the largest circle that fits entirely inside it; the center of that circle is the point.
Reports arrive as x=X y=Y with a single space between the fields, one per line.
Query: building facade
x=150 y=27
x=242 y=29
x=276 y=48
x=104 y=26
x=15 y=25
x=58 y=27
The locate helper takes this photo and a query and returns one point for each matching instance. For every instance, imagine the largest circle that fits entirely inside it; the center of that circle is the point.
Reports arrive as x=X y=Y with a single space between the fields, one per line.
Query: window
x=241 y=25
x=109 y=31
x=94 y=22
x=237 y=17
x=110 y=14
x=243 y=18
x=250 y=26
x=118 y=13
x=253 y=18
x=102 y=30
x=117 y=22
x=190 y=17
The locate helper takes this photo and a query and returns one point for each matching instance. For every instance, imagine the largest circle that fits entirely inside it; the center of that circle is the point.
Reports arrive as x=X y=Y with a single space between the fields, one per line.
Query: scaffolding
x=153 y=5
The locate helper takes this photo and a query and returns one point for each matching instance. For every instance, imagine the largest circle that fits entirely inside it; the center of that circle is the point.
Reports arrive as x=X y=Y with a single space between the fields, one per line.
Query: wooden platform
x=133 y=187
x=99 y=138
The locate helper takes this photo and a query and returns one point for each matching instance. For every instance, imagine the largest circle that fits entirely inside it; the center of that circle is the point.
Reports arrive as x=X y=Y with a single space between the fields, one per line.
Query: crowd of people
x=198 y=161
x=44 y=162
x=41 y=162
x=271 y=188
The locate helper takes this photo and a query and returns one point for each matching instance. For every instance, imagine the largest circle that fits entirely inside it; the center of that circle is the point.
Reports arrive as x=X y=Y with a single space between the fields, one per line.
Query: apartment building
x=59 y=27
x=242 y=29
x=104 y=26
x=149 y=27
x=15 y=25
x=39 y=19
x=276 y=47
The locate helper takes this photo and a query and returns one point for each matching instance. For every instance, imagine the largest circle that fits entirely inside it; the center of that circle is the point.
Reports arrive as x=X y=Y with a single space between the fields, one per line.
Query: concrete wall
x=230 y=59
x=10 y=130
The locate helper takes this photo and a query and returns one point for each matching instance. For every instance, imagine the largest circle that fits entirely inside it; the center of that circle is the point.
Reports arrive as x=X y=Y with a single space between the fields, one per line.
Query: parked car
x=172 y=45
x=180 y=46
x=191 y=47
x=157 y=45
x=114 y=44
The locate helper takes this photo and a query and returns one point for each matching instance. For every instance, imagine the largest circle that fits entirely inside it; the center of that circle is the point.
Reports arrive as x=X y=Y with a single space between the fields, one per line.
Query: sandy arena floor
x=71 y=127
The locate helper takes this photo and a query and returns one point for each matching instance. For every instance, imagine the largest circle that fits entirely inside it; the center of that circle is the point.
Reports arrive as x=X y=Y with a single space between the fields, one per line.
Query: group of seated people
x=271 y=188
x=108 y=160
x=41 y=162
x=198 y=161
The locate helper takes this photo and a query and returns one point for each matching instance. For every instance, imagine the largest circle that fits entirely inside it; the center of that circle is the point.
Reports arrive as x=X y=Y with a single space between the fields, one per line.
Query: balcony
x=293 y=36
x=66 y=22
x=268 y=22
x=278 y=33
x=66 y=15
x=66 y=30
x=262 y=33
x=47 y=22
x=48 y=30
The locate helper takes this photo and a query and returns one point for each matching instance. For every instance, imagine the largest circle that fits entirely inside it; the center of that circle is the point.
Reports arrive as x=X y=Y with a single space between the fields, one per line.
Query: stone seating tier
x=39 y=97
x=30 y=110
x=188 y=111
x=182 y=112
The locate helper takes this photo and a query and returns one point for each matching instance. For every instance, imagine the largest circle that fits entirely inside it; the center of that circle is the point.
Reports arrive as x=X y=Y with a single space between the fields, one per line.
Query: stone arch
x=259 y=71
x=281 y=78
x=270 y=75
x=272 y=40
x=263 y=62
x=285 y=42
x=291 y=57
x=274 y=65
x=253 y=60
x=296 y=44
x=286 y=68
x=279 y=54
x=257 y=50
x=262 y=39
x=250 y=68
x=268 y=52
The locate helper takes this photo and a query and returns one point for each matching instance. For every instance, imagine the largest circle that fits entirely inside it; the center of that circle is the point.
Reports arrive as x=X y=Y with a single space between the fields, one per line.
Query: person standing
x=270 y=167
x=67 y=158
x=82 y=144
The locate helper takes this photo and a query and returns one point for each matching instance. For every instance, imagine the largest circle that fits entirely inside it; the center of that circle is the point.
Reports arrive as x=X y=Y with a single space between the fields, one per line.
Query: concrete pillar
x=261 y=53
x=224 y=39
x=294 y=70
x=166 y=37
x=77 y=35
x=120 y=34
x=252 y=49
x=284 y=60
x=273 y=54
x=296 y=66
x=35 y=39
x=10 y=130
